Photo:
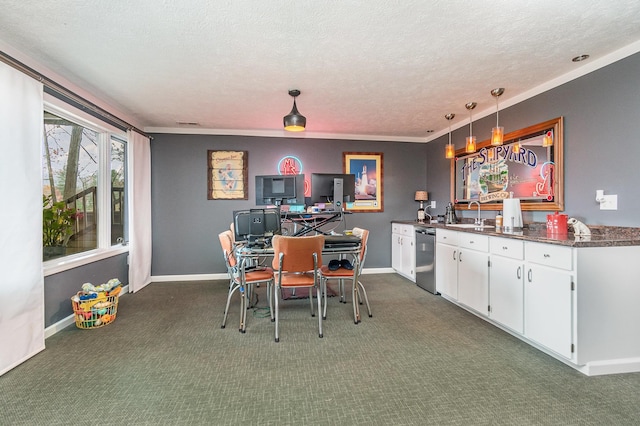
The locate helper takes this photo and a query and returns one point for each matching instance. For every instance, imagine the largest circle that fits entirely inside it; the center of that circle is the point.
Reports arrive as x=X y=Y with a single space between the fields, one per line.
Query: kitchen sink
x=468 y=225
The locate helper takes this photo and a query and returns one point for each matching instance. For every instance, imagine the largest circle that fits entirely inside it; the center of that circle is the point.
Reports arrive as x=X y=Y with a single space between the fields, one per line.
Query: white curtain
x=139 y=211
x=22 y=281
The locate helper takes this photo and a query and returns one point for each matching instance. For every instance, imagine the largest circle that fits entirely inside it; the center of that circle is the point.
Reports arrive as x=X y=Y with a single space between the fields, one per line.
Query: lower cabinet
x=473 y=272
x=548 y=297
x=506 y=285
x=447 y=263
x=403 y=255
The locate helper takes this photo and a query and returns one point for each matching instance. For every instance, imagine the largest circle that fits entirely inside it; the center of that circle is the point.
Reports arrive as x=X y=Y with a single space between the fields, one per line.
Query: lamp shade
x=294 y=121
x=422 y=196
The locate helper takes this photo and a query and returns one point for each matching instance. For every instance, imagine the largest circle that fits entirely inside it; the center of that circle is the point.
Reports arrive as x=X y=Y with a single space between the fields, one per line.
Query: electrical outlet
x=609 y=202
x=433 y=204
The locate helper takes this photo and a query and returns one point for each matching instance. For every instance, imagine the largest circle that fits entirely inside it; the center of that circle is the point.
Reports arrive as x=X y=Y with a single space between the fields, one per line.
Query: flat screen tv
x=256 y=225
x=279 y=189
x=323 y=188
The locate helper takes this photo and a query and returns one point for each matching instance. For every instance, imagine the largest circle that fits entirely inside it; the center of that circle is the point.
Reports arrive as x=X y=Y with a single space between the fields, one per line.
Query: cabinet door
x=396 y=252
x=473 y=280
x=506 y=292
x=548 y=302
x=409 y=257
x=447 y=270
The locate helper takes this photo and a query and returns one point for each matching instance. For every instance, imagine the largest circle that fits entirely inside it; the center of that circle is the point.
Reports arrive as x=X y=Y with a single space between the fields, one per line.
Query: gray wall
x=59 y=288
x=601 y=143
x=186 y=224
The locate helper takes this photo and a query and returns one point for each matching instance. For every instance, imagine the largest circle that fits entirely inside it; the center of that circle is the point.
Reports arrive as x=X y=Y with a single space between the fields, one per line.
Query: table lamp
x=421 y=196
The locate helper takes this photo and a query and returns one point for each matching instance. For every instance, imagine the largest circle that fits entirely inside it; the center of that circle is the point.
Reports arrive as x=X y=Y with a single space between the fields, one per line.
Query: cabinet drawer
x=507 y=247
x=447 y=237
x=549 y=255
x=473 y=241
x=402 y=229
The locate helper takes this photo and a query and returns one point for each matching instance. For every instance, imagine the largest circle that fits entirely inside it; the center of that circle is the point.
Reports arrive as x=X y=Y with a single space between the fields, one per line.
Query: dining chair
x=241 y=279
x=342 y=274
x=296 y=263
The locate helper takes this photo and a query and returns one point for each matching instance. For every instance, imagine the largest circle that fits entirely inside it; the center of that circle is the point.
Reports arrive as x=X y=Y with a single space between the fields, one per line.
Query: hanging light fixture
x=547 y=140
x=470 y=146
x=294 y=121
x=497 y=133
x=449 y=151
x=515 y=147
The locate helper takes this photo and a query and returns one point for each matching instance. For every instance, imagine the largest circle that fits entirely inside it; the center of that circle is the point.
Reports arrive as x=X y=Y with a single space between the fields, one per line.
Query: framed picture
x=527 y=166
x=368 y=169
x=227 y=175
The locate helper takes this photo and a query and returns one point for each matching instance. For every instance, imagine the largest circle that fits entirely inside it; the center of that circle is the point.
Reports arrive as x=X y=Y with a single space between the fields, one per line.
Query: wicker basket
x=95 y=312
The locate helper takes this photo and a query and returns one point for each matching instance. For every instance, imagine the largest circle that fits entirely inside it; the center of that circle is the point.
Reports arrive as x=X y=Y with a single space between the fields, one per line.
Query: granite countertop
x=601 y=236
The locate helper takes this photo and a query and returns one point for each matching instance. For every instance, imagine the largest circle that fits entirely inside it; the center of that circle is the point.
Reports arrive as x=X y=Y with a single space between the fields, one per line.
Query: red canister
x=557 y=223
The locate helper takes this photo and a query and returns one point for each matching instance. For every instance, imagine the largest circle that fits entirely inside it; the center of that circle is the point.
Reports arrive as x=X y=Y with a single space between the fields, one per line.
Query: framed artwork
x=368 y=169
x=527 y=166
x=227 y=175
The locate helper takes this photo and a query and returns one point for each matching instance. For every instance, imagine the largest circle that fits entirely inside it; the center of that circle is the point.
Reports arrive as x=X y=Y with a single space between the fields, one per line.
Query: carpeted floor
x=420 y=360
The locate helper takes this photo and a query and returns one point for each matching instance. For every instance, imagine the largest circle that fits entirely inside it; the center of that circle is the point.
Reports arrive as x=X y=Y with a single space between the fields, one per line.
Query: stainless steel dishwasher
x=426 y=259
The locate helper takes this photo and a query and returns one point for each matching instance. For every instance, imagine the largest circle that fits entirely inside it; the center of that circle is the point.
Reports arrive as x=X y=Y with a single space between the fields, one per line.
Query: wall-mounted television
x=327 y=187
x=279 y=189
x=255 y=225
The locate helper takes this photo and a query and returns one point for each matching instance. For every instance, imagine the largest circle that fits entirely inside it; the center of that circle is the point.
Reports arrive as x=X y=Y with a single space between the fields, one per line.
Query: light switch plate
x=609 y=202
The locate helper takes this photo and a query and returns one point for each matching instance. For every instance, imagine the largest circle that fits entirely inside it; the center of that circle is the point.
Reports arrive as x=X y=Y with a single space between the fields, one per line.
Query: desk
x=254 y=254
x=311 y=222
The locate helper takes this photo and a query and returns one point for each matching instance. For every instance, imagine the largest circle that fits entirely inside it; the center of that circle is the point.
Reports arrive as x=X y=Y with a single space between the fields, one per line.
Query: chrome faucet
x=478 y=221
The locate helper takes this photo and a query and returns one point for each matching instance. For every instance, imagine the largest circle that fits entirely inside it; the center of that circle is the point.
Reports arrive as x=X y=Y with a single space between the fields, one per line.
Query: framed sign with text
x=528 y=166
x=227 y=175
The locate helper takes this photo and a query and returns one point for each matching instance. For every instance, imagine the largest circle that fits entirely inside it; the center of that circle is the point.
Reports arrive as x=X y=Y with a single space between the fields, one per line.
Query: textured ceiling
x=374 y=69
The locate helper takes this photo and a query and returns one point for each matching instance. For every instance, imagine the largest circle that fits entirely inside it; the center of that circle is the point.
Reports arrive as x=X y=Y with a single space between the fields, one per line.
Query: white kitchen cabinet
x=506 y=283
x=548 y=297
x=473 y=271
x=403 y=256
x=447 y=263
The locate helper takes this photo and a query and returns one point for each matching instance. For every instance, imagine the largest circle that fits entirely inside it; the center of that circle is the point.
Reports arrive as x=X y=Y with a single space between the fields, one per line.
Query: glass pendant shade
x=449 y=152
x=497 y=136
x=547 y=140
x=515 y=147
x=470 y=146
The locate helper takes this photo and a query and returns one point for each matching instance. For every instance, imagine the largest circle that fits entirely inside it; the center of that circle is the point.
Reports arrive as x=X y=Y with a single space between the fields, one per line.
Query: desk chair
x=240 y=279
x=296 y=261
x=342 y=274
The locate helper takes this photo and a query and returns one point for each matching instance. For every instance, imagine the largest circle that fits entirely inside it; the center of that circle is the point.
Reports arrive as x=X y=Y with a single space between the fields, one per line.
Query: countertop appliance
x=426 y=259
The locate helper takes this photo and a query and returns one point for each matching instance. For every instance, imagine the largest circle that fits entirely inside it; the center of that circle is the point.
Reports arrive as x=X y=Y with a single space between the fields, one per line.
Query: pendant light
x=449 y=151
x=547 y=140
x=294 y=121
x=470 y=146
x=497 y=133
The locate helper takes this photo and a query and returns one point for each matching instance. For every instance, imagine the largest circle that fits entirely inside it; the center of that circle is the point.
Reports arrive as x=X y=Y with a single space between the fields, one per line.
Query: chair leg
x=366 y=299
x=270 y=296
x=323 y=282
x=354 y=299
x=275 y=299
x=243 y=309
x=232 y=288
x=319 y=296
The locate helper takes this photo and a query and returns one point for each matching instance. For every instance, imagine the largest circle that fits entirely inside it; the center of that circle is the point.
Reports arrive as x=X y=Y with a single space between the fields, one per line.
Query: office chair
x=296 y=261
x=341 y=274
x=241 y=280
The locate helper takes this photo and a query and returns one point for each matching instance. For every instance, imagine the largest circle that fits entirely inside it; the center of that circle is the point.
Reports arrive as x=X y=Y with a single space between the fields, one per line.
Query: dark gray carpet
x=419 y=360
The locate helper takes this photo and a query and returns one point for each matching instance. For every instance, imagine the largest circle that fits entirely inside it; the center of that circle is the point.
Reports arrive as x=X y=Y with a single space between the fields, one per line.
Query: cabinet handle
x=471 y=241
x=519 y=273
x=454 y=255
x=460 y=256
x=546 y=255
x=529 y=276
x=505 y=248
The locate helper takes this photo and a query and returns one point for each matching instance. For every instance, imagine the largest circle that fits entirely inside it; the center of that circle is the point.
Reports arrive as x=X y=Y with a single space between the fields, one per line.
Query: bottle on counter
x=499 y=219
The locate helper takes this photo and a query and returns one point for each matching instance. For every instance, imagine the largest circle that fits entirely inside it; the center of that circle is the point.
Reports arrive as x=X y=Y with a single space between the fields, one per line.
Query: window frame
x=104 y=249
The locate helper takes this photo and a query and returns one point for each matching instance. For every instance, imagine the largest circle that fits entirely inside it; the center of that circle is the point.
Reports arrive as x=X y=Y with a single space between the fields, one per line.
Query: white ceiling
x=371 y=69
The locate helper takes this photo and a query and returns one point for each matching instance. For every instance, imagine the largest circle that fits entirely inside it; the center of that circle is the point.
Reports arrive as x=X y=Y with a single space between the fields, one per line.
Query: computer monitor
x=333 y=188
x=256 y=225
x=279 y=189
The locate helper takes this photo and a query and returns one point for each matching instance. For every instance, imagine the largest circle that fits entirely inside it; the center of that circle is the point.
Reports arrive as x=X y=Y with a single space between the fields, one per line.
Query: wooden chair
x=296 y=263
x=342 y=274
x=241 y=280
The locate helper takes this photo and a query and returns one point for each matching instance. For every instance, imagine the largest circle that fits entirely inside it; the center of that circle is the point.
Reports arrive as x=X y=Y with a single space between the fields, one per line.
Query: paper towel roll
x=512 y=214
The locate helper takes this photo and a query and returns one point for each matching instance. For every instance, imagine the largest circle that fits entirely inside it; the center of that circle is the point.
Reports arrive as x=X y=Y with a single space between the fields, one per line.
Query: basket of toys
x=96 y=306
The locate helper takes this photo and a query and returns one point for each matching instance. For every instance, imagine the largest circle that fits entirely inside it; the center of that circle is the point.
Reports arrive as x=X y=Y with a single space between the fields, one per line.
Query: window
x=82 y=164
